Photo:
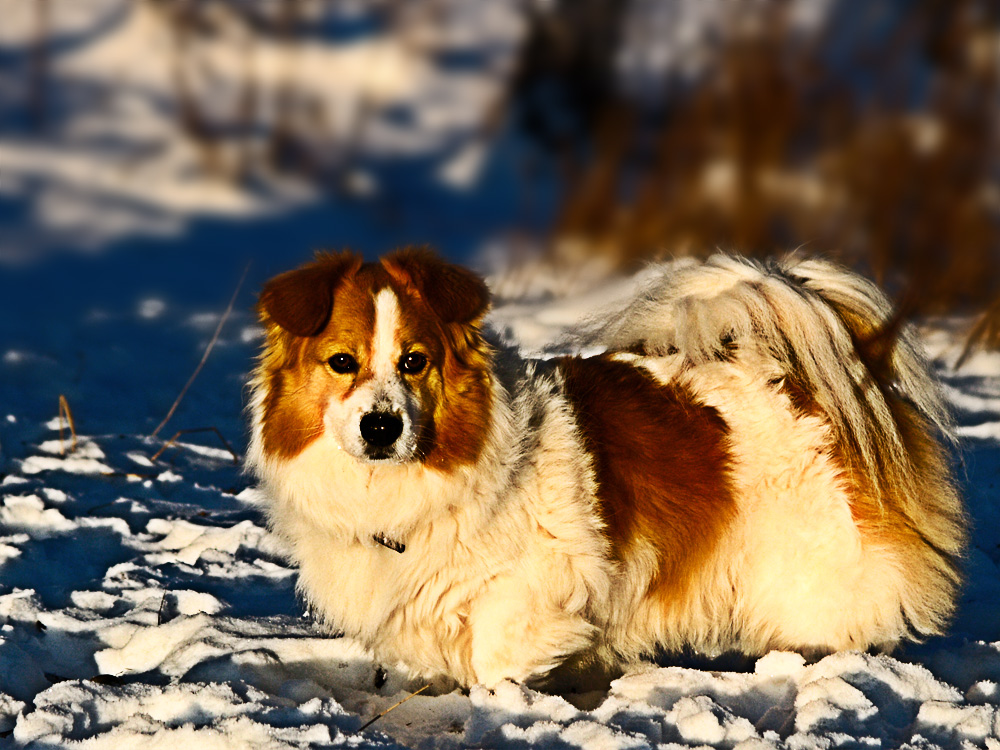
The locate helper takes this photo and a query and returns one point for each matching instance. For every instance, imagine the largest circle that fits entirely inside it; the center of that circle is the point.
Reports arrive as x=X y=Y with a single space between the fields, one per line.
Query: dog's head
x=385 y=359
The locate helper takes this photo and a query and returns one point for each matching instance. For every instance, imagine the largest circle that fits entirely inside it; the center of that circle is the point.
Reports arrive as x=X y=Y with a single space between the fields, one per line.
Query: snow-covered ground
x=142 y=601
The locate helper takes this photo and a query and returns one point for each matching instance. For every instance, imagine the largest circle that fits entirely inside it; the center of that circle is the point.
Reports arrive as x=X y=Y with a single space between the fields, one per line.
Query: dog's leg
x=518 y=634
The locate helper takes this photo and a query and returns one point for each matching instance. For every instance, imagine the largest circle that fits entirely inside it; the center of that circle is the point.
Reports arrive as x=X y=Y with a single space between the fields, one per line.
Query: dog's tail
x=832 y=334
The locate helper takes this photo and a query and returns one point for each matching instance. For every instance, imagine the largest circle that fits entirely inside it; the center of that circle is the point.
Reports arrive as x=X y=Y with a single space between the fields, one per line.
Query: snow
x=144 y=604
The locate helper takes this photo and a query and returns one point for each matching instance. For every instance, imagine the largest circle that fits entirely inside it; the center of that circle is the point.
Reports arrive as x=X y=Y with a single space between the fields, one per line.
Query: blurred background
x=151 y=149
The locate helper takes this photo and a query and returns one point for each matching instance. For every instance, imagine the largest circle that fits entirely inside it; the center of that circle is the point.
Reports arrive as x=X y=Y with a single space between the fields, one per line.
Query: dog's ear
x=301 y=301
x=456 y=294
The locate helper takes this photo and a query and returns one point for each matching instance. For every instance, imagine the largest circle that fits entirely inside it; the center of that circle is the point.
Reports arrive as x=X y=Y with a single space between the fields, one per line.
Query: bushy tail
x=833 y=334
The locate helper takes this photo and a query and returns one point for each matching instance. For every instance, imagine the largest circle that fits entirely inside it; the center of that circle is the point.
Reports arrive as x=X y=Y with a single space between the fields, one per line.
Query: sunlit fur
x=749 y=466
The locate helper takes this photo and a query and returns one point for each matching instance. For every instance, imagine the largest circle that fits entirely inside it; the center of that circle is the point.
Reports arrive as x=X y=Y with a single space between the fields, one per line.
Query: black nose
x=380 y=428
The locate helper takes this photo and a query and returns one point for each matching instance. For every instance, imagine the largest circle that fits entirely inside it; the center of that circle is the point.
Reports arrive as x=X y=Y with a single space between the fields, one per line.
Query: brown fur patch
x=291 y=424
x=661 y=462
x=942 y=521
x=299 y=301
x=455 y=294
x=802 y=399
x=463 y=415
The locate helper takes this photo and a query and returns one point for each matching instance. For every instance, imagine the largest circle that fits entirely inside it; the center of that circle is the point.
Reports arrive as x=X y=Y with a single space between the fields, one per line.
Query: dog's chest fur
x=513 y=542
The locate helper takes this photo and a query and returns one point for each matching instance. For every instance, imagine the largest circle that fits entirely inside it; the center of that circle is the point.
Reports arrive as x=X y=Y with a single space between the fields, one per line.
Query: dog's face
x=384 y=359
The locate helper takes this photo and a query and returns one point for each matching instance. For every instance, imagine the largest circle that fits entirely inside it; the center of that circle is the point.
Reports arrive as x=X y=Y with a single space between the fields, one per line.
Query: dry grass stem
x=985 y=334
x=371 y=721
x=65 y=413
x=204 y=357
x=235 y=455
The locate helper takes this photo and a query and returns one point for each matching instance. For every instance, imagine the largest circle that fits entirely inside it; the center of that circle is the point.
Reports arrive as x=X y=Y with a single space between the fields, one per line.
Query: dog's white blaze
x=385 y=340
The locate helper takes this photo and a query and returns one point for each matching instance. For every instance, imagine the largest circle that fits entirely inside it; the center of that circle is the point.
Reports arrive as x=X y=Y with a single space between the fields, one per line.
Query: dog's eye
x=412 y=363
x=344 y=364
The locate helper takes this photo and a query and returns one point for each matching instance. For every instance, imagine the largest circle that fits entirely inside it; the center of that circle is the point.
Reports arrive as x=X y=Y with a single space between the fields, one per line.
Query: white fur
x=385 y=342
x=507 y=571
x=806 y=578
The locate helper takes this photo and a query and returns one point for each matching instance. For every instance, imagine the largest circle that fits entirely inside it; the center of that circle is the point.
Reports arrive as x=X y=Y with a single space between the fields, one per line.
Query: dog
x=753 y=463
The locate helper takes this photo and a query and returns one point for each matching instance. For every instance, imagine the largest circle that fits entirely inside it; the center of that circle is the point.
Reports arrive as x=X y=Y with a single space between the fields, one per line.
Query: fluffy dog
x=749 y=466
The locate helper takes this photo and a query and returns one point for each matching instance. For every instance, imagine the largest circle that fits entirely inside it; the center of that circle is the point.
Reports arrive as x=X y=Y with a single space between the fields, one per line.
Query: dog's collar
x=389 y=543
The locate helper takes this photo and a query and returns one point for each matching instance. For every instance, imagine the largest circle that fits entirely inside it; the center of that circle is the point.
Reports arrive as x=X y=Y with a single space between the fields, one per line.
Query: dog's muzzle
x=379 y=430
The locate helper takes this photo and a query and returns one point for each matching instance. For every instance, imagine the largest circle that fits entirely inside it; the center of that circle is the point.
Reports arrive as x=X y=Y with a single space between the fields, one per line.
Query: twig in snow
x=236 y=458
x=159 y=612
x=985 y=334
x=204 y=357
x=64 y=411
x=371 y=721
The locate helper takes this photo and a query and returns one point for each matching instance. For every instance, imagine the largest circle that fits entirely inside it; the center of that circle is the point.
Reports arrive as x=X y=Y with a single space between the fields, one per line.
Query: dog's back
x=847 y=529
